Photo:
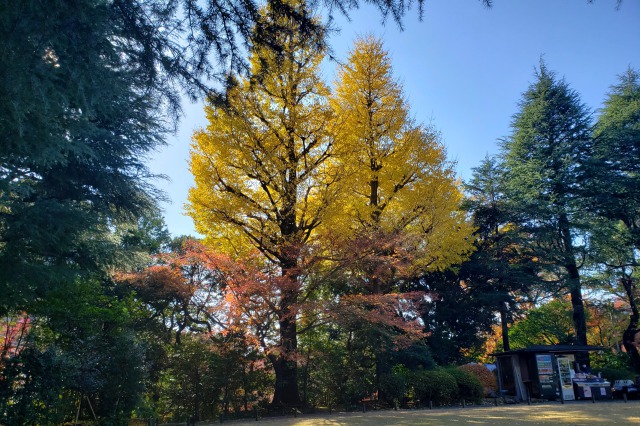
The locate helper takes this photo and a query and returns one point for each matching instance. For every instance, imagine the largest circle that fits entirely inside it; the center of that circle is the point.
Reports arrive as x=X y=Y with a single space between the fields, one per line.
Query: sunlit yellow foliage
x=397 y=178
x=262 y=176
x=278 y=161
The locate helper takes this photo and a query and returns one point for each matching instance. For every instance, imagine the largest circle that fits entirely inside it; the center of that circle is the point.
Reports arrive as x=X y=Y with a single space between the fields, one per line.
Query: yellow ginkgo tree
x=397 y=179
x=263 y=175
x=285 y=174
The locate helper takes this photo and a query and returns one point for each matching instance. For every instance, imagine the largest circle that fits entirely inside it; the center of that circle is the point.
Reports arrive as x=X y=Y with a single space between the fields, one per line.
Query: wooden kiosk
x=548 y=372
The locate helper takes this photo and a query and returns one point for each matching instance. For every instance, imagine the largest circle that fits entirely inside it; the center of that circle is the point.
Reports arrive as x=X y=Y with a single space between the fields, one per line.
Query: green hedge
x=469 y=386
x=437 y=386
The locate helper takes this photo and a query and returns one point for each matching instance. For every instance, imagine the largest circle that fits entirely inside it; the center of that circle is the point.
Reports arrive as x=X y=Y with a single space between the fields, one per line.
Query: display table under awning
x=592 y=387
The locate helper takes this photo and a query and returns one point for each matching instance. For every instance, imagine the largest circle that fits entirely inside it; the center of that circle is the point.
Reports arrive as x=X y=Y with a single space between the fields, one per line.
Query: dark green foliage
x=36 y=400
x=611 y=175
x=416 y=356
x=192 y=382
x=240 y=375
x=502 y=269
x=613 y=374
x=610 y=359
x=457 y=317
x=323 y=370
x=337 y=371
x=469 y=386
x=149 y=235
x=611 y=190
x=437 y=386
x=82 y=346
x=550 y=139
x=340 y=368
x=394 y=385
x=76 y=130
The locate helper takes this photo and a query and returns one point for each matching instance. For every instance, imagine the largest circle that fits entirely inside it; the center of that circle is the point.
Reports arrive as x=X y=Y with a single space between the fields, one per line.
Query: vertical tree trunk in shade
x=286 y=368
x=629 y=335
x=285 y=364
x=574 y=285
x=504 y=322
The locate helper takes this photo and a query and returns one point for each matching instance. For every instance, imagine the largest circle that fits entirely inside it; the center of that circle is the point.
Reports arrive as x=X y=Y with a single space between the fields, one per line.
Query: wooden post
x=78 y=413
x=91 y=407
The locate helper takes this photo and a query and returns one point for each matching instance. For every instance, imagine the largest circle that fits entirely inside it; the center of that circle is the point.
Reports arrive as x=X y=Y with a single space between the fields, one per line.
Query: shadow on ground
x=551 y=413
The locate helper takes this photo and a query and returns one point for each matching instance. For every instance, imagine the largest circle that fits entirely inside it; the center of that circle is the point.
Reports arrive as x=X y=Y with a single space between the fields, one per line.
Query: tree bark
x=573 y=282
x=579 y=317
x=629 y=335
x=505 y=326
x=285 y=364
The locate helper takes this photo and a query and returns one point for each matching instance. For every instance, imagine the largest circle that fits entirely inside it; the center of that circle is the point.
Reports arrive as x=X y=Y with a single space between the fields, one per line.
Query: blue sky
x=463 y=68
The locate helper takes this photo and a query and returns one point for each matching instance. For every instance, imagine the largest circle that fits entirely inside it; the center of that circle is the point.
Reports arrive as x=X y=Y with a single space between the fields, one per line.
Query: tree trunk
x=504 y=321
x=285 y=364
x=629 y=335
x=305 y=380
x=579 y=317
x=573 y=282
x=286 y=388
x=196 y=398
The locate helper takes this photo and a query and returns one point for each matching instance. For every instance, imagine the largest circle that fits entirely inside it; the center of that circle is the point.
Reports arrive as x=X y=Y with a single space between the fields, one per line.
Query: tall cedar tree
x=398 y=180
x=612 y=190
x=551 y=136
x=502 y=268
x=487 y=206
x=78 y=118
x=262 y=181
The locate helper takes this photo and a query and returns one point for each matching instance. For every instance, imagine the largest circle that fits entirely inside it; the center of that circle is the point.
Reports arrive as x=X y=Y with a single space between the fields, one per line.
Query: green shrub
x=393 y=386
x=437 y=386
x=610 y=359
x=469 y=387
x=486 y=377
x=613 y=374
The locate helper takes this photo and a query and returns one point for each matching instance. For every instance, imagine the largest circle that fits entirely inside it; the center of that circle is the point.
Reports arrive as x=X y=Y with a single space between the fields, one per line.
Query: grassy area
x=553 y=413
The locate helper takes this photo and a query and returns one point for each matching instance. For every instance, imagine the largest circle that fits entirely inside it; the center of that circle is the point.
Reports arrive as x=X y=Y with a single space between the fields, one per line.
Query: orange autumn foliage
x=196 y=286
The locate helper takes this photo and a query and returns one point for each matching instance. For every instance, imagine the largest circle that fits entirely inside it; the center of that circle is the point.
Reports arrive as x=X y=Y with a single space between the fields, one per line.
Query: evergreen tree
x=611 y=191
x=611 y=176
x=75 y=132
x=550 y=139
x=501 y=269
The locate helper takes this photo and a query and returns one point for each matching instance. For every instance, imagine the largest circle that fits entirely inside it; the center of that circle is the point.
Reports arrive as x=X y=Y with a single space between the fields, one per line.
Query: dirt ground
x=550 y=413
